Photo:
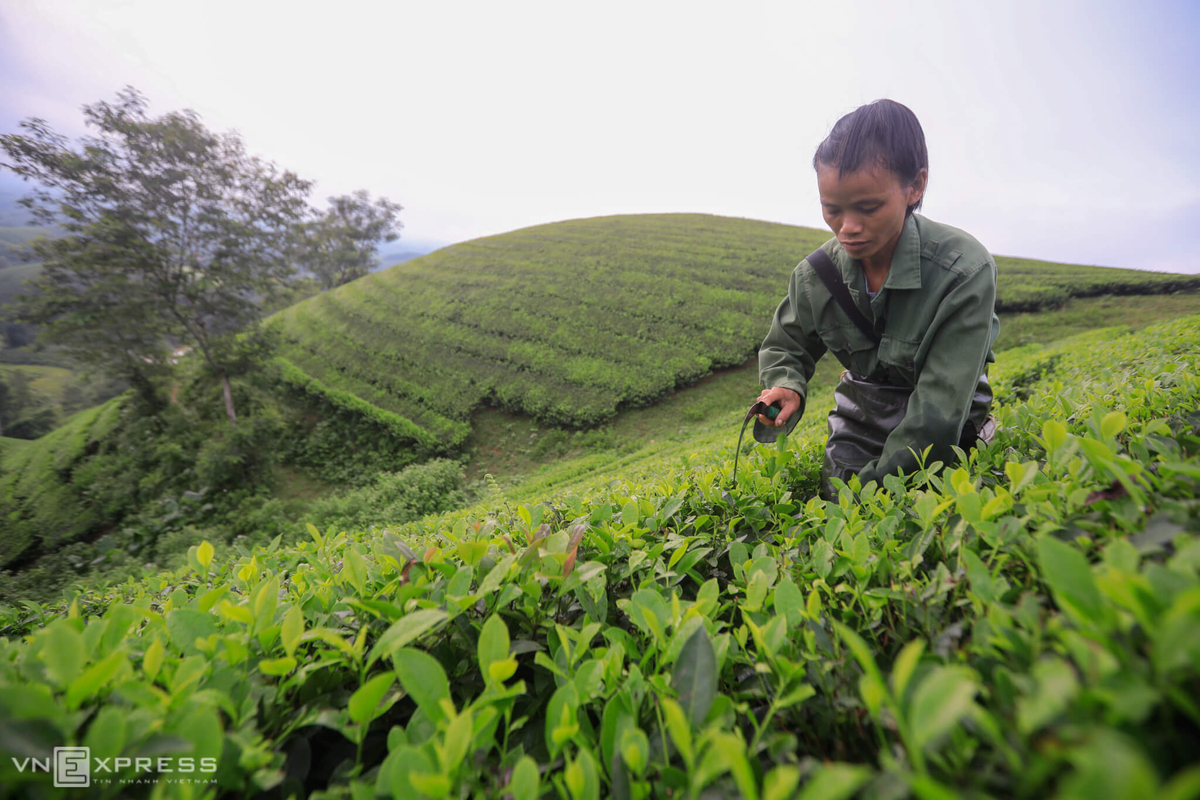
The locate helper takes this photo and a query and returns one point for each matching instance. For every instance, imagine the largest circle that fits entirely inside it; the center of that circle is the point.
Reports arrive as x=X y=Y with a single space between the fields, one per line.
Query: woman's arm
x=788 y=355
x=961 y=338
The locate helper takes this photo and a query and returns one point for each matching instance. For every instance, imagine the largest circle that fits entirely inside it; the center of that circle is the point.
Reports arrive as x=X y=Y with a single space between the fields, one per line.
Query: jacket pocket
x=845 y=338
x=901 y=355
x=850 y=346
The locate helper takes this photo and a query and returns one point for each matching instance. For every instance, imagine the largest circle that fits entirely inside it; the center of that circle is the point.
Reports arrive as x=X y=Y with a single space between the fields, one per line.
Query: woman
x=915 y=322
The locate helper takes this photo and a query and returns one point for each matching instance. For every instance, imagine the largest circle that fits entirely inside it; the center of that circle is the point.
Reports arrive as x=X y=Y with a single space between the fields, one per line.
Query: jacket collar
x=905 y=272
x=906 y=261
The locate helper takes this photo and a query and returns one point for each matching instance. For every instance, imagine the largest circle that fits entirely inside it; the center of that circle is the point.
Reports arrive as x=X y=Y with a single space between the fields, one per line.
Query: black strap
x=832 y=279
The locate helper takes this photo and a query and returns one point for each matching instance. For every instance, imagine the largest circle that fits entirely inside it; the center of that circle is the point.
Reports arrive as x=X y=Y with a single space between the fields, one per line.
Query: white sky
x=1063 y=131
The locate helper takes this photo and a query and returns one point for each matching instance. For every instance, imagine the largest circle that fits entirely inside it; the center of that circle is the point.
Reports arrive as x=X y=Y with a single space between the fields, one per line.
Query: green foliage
x=25 y=413
x=171 y=233
x=142 y=480
x=1023 y=623
x=35 y=398
x=339 y=245
x=394 y=498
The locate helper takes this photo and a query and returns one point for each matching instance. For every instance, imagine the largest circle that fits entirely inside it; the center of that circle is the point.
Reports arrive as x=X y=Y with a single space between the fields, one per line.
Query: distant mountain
x=403 y=249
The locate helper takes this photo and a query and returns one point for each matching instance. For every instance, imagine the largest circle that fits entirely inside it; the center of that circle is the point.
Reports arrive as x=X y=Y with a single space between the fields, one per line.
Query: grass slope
x=573 y=321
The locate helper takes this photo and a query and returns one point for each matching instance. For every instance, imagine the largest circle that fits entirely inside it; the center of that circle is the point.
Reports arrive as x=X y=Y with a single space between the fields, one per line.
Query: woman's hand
x=789 y=402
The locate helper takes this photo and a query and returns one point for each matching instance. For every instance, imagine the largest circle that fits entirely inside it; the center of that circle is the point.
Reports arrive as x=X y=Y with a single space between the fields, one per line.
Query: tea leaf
x=524 y=784
x=1067 y=572
x=561 y=722
x=458 y=740
x=277 y=666
x=943 y=697
x=1112 y=424
x=1056 y=688
x=906 y=662
x=403 y=764
x=617 y=718
x=186 y=625
x=835 y=782
x=1054 y=435
x=204 y=554
x=781 y=782
x=695 y=677
x=677 y=726
x=423 y=679
x=493 y=642
x=152 y=661
x=733 y=752
x=364 y=703
x=106 y=733
x=95 y=677
x=355 y=567
x=405 y=630
x=581 y=777
x=292 y=630
x=634 y=750
x=789 y=602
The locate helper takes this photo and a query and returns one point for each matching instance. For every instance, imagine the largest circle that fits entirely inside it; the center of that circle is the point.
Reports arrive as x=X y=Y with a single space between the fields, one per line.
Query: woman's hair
x=883 y=132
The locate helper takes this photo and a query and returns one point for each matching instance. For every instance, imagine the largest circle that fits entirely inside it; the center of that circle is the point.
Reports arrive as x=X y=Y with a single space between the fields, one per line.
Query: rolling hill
x=571 y=321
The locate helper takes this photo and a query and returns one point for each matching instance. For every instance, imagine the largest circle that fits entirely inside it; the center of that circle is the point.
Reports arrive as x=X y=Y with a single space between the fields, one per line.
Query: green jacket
x=937 y=320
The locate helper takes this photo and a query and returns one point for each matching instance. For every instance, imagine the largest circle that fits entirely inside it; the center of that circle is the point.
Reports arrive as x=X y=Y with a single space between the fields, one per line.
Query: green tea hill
x=572 y=321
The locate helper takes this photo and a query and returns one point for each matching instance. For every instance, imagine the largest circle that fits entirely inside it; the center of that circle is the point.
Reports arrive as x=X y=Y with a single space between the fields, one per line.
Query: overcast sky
x=1065 y=131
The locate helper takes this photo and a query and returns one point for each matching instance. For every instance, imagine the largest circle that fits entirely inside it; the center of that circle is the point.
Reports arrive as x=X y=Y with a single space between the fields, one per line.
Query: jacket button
x=908 y=364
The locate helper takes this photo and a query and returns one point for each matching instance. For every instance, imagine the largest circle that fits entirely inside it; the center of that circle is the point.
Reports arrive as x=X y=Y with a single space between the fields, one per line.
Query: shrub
x=394 y=498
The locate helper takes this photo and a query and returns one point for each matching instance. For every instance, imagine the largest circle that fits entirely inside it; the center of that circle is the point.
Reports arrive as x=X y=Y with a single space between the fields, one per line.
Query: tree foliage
x=339 y=245
x=174 y=235
x=24 y=412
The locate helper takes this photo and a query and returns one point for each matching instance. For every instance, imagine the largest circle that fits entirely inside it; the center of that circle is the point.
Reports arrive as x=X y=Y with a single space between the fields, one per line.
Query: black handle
x=771 y=411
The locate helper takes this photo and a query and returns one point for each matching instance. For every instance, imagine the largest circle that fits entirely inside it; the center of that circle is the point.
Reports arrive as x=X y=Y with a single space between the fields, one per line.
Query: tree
x=340 y=244
x=24 y=412
x=173 y=235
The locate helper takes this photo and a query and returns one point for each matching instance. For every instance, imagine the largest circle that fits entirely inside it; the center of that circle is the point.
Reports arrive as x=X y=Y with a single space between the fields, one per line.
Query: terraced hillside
x=571 y=321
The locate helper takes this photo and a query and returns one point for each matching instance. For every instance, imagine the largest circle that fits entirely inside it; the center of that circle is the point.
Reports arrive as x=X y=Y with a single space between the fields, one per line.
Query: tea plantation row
x=1026 y=624
x=569 y=322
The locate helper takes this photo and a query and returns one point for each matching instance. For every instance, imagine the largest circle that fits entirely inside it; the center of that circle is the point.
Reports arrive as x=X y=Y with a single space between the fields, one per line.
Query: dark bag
x=865 y=413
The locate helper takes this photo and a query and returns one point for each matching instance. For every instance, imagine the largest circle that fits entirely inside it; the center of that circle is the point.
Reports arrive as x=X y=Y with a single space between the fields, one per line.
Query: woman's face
x=865 y=208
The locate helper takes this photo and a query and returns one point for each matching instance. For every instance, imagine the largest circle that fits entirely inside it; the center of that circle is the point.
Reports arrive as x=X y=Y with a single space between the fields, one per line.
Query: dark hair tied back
x=883 y=132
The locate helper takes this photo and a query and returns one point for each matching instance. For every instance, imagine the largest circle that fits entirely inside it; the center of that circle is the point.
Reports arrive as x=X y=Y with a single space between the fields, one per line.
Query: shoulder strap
x=832 y=279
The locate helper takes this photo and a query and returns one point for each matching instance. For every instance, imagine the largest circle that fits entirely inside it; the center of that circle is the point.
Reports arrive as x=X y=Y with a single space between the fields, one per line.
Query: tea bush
x=395 y=497
x=1024 y=623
